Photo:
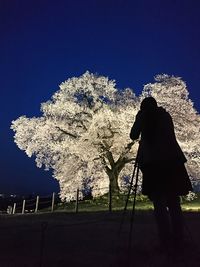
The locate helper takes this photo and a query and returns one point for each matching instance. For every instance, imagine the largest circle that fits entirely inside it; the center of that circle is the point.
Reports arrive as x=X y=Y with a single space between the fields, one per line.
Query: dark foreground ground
x=90 y=239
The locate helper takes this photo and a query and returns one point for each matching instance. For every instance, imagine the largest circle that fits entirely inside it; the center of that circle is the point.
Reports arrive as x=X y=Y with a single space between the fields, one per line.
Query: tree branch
x=125 y=152
x=105 y=164
x=67 y=133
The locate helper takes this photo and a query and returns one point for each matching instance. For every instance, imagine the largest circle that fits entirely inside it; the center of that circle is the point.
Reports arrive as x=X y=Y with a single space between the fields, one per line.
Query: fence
x=34 y=204
x=51 y=202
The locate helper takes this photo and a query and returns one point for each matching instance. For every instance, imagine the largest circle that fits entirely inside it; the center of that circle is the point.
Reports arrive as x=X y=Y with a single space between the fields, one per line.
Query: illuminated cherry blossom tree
x=83 y=133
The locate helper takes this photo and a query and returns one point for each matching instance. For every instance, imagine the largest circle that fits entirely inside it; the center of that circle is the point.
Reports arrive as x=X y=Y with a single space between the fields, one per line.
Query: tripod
x=136 y=175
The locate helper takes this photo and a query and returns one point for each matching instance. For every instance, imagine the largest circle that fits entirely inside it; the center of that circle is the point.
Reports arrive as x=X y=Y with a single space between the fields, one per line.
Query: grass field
x=118 y=203
x=87 y=239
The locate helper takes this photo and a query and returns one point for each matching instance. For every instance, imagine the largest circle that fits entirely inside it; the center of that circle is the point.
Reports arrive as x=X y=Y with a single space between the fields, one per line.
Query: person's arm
x=137 y=127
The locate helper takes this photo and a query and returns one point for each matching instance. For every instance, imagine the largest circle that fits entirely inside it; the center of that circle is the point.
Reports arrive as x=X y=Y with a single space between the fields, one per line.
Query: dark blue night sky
x=45 y=42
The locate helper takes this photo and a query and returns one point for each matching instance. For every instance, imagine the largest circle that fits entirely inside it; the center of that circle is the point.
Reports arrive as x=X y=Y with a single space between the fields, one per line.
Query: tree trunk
x=114 y=171
x=113 y=176
x=113 y=179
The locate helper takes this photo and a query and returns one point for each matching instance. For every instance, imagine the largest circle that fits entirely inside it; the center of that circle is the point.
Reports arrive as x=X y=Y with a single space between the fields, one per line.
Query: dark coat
x=160 y=157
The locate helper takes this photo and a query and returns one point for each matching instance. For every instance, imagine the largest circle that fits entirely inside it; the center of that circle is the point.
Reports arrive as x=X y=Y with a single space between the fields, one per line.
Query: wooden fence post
x=110 y=198
x=23 y=206
x=53 y=201
x=36 y=204
x=77 y=196
x=9 y=209
x=14 y=208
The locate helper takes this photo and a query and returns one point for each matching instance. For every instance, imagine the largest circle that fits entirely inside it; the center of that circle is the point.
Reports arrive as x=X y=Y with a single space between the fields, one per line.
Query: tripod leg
x=131 y=185
x=133 y=210
x=128 y=195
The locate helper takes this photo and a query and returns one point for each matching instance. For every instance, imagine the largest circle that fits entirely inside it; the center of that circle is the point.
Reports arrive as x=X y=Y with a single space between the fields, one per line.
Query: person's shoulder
x=139 y=114
x=164 y=113
x=161 y=109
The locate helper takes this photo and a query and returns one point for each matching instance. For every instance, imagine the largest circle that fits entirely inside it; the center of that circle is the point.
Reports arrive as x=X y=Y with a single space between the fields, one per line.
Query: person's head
x=148 y=103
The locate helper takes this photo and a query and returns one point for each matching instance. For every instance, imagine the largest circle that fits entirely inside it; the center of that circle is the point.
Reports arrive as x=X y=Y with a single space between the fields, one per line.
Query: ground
x=91 y=239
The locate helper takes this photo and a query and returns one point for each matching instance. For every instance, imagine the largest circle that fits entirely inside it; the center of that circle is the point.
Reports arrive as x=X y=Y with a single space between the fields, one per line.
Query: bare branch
x=67 y=133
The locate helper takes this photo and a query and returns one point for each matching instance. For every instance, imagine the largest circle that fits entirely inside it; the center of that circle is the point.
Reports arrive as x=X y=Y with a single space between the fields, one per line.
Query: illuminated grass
x=191 y=207
x=118 y=203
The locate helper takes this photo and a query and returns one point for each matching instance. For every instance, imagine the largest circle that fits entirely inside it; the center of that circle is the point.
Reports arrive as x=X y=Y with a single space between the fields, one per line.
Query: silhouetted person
x=161 y=161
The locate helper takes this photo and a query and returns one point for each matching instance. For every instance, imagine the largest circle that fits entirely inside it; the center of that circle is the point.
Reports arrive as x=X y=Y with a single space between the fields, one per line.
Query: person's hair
x=148 y=103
